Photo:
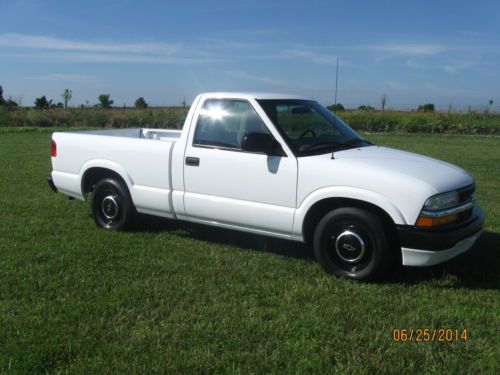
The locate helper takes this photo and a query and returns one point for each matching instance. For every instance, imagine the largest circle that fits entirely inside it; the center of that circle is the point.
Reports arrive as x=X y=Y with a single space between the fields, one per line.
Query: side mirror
x=261 y=142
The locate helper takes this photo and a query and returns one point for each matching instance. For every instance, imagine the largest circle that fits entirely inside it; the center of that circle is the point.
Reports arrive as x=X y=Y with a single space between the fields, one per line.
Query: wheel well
x=322 y=207
x=93 y=175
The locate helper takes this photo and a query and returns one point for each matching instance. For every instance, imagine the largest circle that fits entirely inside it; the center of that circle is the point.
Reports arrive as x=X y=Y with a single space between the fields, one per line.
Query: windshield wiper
x=320 y=145
x=335 y=146
x=353 y=142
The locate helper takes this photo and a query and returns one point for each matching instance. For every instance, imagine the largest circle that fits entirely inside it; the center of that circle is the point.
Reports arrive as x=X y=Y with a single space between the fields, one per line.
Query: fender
x=364 y=195
x=107 y=164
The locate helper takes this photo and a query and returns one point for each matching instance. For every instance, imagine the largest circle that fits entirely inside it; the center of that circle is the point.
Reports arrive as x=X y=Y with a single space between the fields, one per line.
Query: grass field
x=181 y=298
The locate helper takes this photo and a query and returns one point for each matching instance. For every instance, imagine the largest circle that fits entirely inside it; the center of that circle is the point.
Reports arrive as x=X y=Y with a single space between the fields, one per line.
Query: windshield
x=309 y=128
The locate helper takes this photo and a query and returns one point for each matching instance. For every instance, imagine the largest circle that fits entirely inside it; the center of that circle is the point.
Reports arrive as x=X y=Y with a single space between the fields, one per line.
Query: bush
x=336 y=107
x=429 y=107
x=140 y=103
x=42 y=103
x=10 y=105
x=173 y=118
x=104 y=101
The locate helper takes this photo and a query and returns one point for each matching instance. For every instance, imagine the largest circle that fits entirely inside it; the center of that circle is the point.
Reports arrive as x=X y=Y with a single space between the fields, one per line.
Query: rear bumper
x=426 y=247
x=51 y=184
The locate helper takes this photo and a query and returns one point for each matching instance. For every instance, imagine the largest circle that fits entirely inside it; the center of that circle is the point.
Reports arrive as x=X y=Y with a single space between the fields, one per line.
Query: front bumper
x=426 y=247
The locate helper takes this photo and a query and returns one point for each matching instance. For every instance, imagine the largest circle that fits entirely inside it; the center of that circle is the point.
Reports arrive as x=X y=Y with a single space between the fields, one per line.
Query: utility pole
x=336 y=81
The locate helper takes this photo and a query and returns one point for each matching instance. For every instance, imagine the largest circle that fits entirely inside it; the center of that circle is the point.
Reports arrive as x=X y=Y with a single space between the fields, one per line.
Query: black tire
x=112 y=206
x=352 y=242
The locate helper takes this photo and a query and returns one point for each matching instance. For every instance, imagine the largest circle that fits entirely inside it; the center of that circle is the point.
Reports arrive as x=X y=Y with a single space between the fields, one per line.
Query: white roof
x=251 y=95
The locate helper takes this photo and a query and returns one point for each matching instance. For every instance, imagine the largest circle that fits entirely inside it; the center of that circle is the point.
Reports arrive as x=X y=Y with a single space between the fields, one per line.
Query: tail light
x=54 y=148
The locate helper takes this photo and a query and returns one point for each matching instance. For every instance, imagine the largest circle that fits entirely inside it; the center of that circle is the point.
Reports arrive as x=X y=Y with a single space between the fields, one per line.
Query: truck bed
x=145 y=133
x=142 y=158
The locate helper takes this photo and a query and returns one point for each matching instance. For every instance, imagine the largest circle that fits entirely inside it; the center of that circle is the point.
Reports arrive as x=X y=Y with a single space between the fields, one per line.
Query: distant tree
x=366 y=108
x=140 y=103
x=104 y=101
x=60 y=105
x=337 y=107
x=429 y=107
x=42 y=103
x=184 y=102
x=383 y=102
x=10 y=104
x=2 y=101
x=67 y=94
x=490 y=104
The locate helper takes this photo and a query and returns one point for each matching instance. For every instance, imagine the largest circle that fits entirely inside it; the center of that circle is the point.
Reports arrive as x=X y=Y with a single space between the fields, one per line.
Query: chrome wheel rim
x=110 y=208
x=349 y=246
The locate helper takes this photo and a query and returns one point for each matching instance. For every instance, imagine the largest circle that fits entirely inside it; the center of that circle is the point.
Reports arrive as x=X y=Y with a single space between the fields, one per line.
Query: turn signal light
x=54 y=148
x=425 y=221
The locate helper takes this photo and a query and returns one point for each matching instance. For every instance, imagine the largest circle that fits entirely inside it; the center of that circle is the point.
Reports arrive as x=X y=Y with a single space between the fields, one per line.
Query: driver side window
x=224 y=122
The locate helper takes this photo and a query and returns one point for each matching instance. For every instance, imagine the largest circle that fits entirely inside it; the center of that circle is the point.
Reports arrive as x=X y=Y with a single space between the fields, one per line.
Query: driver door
x=226 y=185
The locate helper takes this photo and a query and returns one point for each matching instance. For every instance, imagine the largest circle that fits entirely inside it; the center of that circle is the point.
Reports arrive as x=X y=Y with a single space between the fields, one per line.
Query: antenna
x=335 y=103
x=336 y=81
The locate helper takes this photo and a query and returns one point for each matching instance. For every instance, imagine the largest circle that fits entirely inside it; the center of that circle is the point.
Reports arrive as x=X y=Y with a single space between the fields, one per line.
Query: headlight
x=435 y=211
x=442 y=201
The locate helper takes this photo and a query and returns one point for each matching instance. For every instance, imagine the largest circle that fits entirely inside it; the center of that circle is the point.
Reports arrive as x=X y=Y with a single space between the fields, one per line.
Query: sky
x=415 y=52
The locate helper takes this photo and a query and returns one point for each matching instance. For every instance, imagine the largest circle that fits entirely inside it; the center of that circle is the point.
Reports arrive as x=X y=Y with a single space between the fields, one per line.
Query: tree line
x=427 y=107
x=105 y=102
x=42 y=103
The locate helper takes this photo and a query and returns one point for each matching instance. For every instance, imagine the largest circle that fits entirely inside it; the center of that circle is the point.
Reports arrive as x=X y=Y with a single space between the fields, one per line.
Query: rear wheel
x=111 y=205
x=352 y=242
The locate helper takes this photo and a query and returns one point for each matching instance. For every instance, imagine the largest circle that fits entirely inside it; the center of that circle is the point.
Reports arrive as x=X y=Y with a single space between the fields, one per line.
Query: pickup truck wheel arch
x=95 y=174
x=324 y=206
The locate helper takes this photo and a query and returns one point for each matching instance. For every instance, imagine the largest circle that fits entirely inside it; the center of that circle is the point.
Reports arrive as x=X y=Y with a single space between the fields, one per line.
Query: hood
x=405 y=179
x=439 y=175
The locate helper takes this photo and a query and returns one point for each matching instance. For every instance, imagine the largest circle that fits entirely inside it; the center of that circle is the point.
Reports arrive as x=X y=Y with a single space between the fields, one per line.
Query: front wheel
x=111 y=205
x=353 y=243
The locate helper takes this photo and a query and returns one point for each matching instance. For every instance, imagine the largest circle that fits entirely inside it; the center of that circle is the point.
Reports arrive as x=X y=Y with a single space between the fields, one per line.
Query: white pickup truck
x=282 y=166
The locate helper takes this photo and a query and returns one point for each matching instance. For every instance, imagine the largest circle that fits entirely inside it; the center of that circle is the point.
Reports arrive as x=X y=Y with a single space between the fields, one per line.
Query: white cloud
x=227 y=44
x=66 y=50
x=413 y=63
x=457 y=66
x=396 y=85
x=415 y=49
x=65 y=77
x=252 y=77
x=52 y=43
x=304 y=53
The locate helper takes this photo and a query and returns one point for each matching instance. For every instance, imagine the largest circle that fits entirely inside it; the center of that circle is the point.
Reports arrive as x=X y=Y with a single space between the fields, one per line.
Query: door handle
x=192 y=161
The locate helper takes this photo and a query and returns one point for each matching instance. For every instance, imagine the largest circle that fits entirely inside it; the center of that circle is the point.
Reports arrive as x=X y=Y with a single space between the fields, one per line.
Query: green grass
x=191 y=299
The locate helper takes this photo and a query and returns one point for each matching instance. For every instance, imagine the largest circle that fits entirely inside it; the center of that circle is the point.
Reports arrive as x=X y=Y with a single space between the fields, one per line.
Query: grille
x=464 y=215
x=466 y=193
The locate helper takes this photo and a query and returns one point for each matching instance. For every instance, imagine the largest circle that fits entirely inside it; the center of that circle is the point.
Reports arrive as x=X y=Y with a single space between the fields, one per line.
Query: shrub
x=104 y=101
x=429 y=107
x=336 y=107
x=42 y=103
x=140 y=103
